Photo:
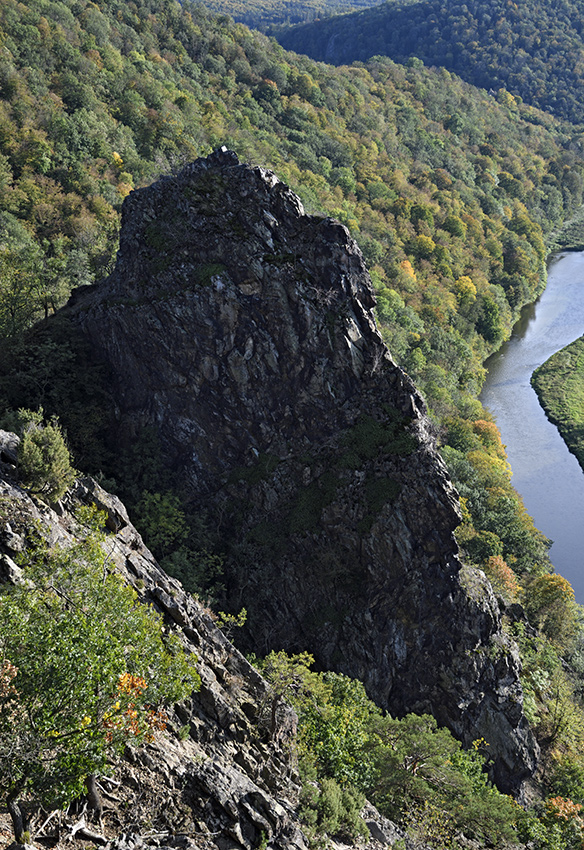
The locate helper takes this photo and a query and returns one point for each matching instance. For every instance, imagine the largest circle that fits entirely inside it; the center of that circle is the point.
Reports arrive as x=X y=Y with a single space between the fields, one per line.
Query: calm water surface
x=546 y=475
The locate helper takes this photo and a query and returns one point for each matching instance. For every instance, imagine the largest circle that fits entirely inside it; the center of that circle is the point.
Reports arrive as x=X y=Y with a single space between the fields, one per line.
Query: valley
x=253 y=295
x=547 y=476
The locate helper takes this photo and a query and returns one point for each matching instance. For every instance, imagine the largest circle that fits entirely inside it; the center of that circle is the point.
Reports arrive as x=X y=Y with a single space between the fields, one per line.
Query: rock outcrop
x=218 y=778
x=242 y=330
x=224 y=774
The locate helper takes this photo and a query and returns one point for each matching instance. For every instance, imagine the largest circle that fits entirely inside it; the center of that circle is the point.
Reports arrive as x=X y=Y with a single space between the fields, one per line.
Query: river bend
x=546 y=475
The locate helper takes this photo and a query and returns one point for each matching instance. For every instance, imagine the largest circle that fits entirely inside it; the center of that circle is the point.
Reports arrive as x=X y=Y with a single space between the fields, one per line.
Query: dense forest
x=454 y=195
x=277 y=13
x=534 y=50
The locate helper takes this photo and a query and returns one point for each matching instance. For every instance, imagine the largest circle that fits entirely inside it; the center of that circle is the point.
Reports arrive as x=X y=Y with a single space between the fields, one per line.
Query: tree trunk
x=93 y=796
x=19 y=824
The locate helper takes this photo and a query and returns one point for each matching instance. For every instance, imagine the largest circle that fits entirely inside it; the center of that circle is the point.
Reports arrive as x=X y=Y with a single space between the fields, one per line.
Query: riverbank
x=570 y=237
x=546 y=475
x=559 y=384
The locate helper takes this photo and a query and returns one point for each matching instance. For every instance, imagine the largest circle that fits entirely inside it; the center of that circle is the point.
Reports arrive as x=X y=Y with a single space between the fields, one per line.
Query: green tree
x=424 y=776
x=550 y=602
x=43 y=457
x=489 y=324
x=292 y=681
x=20 y=259
x=332 y=809
x=333 y=714
x=85 y=669
x=162 y=521
x=336 y=730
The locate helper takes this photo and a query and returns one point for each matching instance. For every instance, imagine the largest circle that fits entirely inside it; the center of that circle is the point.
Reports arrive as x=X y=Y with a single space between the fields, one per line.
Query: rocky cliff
x=226 y=775
x=242 y=330
x=218 y=778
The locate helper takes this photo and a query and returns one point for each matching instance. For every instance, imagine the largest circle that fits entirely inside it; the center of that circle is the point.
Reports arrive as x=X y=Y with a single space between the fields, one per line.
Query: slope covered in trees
x=265 y=14
x=449 y=193
x=534 y=49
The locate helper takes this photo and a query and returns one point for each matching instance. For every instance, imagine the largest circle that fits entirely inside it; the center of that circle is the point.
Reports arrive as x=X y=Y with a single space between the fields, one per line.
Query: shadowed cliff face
x=224 y=774
x=242 y=330
x=228 y=779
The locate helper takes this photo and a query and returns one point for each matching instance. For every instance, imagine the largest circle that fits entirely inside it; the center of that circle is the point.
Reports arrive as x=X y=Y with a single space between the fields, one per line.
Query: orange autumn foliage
x=408 y=269
x=563 y=809
x=502 y=576
x=125 y=716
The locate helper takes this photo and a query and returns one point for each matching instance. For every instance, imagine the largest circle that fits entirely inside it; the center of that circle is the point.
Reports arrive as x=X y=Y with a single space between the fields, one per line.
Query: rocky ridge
x=218 y=778
x=242 y=330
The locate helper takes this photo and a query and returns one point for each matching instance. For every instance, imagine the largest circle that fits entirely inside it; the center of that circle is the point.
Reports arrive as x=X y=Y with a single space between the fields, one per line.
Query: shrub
x=86 y=669
x=44 y=460
x=333 y=810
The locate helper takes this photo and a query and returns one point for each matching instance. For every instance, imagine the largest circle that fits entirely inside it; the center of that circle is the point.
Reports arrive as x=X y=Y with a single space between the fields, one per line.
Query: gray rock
x=9 y=448
x=193 y=790
x=242 y=330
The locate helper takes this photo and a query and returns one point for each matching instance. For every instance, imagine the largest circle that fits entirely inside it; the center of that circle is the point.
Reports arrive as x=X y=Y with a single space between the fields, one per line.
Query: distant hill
x=533 y=49
x=266 y=14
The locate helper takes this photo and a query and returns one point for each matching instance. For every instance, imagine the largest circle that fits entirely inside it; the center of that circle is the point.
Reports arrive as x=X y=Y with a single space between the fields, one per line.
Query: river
x=546 y=475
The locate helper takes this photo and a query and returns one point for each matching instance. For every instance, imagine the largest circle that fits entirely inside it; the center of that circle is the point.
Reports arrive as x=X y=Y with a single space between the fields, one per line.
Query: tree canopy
x=530 y=51
x=415 y=772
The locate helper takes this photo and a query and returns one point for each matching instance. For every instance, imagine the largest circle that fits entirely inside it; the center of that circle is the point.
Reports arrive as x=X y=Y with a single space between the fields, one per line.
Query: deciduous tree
x=85 y=668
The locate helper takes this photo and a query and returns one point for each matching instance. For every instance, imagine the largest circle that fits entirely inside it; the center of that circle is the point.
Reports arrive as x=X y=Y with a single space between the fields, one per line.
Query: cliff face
x=217 y=778
x=242 y=329
x=226 y=775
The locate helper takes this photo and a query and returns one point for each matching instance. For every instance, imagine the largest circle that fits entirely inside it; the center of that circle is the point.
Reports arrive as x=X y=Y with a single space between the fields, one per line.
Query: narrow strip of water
x=545 y=473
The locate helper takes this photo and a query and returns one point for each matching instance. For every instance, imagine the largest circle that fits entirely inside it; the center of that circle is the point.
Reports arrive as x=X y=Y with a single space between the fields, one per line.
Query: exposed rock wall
x=242 y=329
x=217 y=779
x=225 y=777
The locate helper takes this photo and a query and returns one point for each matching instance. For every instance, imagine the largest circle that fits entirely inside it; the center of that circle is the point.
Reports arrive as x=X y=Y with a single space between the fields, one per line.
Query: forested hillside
x=274 y=13
x=453 y=195
x=532 y=49
x=449 y=193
